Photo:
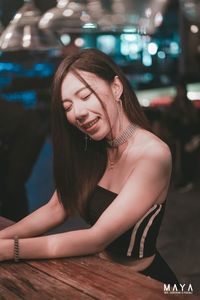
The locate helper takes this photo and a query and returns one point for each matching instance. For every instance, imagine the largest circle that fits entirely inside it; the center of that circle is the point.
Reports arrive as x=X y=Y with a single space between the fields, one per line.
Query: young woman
x=108 y=167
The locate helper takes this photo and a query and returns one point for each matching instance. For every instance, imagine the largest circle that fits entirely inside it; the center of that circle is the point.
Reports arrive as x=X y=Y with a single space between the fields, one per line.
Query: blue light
x=131 y=45
x=161 y=54
x=28 y=98
x=134 y=56
x=174 y=48
x=147 y=77
x=130 y=29
x=129 y=37
x=124 y=49
x=10 y=67
x=152 y=48
x=65 y=39
x=41 y=69
x=106 y=43
x=146 y=59
x=89 y=26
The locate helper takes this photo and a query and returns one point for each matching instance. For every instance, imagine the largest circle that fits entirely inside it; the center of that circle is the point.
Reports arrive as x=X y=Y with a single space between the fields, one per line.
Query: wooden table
x=76 y=278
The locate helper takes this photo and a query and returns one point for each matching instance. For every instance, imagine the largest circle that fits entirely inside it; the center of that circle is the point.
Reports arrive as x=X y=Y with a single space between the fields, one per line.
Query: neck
x=123 y=137
x=115 y=155
x=117 y=128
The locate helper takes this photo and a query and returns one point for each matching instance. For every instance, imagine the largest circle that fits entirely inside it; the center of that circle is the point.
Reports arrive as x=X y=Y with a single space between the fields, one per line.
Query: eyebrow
x=76 y=93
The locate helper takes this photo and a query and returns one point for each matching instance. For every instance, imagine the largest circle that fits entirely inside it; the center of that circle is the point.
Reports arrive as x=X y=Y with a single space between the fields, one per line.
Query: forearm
x=68 y=244
x=28 y=248
x=43 y=219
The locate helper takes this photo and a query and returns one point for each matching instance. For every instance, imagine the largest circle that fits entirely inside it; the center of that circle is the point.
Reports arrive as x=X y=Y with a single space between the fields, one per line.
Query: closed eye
x=86 y=97
x=67 y=108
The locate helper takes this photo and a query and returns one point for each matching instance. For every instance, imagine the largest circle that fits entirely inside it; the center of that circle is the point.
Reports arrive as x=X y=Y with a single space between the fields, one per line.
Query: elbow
x=102 y=244
x=76 y=243
x=98 y=247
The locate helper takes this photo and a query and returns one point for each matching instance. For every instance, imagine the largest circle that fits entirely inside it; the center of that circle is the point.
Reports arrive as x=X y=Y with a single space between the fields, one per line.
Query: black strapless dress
x=137 y=242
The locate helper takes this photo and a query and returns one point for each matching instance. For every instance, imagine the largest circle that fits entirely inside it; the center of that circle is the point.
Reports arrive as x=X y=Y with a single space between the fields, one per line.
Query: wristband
x=16 y=249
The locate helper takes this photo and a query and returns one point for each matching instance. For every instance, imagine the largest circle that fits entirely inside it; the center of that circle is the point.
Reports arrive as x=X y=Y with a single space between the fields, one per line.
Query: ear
x=117 y=88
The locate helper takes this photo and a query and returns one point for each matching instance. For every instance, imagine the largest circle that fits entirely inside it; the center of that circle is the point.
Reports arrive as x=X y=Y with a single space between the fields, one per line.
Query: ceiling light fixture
x=23 y=33
x=73 y=17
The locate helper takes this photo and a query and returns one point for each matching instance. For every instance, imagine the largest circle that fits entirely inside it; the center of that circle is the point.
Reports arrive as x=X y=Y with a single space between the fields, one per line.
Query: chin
x=98 y=136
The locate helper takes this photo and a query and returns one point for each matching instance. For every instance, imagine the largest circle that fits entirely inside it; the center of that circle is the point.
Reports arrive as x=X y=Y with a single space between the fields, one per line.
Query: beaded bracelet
x=16 y=249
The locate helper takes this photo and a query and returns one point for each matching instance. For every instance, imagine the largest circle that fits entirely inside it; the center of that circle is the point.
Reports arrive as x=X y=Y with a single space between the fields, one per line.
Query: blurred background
x=157 y=45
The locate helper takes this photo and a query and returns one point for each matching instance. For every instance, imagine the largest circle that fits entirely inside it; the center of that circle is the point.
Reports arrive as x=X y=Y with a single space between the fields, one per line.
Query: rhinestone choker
x=126 y=134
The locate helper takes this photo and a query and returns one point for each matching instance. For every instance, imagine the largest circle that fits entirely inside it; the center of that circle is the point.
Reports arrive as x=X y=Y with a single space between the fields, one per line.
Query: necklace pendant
x=111 y=165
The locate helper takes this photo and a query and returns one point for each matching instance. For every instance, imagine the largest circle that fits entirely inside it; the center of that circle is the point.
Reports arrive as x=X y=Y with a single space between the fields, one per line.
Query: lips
x=90 y=124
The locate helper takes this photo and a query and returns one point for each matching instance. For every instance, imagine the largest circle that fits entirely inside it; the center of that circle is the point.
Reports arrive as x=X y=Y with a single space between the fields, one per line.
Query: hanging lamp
x=23 y=32
x=132 y=16
x=69 y=17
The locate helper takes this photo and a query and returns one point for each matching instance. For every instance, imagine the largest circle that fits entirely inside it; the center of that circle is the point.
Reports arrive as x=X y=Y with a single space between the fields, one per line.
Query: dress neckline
x=102 y=188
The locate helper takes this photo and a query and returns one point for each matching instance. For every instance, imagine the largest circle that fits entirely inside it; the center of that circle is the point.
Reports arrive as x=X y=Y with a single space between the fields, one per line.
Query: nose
x=80 y=112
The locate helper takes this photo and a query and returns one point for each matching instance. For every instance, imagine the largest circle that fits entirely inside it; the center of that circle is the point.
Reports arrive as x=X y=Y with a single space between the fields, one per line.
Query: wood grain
x=20 y=281
x=78 y=278
x=105 y=280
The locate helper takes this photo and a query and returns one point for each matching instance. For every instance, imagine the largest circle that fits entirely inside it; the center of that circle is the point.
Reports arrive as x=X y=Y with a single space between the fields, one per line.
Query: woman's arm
x=38 y=222
x=147 y=184
x=74 y=243
x=144 y=186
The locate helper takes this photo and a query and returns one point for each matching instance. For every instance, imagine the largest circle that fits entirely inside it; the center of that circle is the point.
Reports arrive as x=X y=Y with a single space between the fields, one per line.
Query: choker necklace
x=126 y=134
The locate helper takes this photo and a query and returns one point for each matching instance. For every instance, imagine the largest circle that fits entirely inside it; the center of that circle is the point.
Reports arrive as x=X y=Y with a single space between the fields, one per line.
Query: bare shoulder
x=148 y=146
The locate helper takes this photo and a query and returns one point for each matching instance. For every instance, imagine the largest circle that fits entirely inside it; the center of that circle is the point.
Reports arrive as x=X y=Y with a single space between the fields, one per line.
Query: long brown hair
x=77 y=171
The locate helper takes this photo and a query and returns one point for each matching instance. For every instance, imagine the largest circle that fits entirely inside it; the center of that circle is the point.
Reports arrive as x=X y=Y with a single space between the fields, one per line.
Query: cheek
x=109 y=103
x=94 y=106
x=112 y=109
x=70 y=118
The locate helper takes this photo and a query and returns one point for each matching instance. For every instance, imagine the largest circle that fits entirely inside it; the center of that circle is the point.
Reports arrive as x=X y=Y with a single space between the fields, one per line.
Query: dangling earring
x=86 y=142
x=119 y=110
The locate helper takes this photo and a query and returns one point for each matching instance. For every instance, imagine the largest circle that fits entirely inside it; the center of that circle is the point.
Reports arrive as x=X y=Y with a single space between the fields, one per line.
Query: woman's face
x=84 y=110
